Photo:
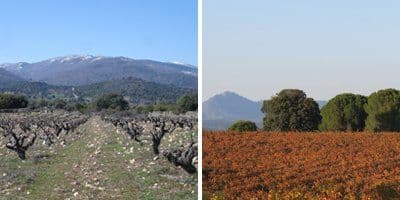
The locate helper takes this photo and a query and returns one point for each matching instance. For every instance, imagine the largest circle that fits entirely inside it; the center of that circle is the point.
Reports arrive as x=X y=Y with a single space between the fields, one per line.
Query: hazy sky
x=148 y=29
x=258 y=47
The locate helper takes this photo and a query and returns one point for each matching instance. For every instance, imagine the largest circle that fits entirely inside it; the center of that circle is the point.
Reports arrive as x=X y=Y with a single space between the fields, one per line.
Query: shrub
x=243 y=126
x=84 y=107
x=187 y=103
x=112 y=101
x=9 y=101
x=59 y=104
x=144 y=109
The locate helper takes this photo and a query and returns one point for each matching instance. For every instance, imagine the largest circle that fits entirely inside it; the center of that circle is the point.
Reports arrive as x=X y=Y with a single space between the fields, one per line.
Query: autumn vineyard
x=301 y=165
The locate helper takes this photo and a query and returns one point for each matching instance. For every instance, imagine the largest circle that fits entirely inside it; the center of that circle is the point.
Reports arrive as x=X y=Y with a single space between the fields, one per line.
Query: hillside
x=223 y=109
x=38 y=90
x=137 y=91
x=8 y=79
x=83 y=70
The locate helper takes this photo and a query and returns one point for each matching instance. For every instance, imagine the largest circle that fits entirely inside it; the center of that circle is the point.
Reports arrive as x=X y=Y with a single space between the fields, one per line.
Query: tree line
x=111 y=101
x=292 y=110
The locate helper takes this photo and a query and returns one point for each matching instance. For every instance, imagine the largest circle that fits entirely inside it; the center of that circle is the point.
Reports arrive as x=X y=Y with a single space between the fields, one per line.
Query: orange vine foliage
x=261 y=165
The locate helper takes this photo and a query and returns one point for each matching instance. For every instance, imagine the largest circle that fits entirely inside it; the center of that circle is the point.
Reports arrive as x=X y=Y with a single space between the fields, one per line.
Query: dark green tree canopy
x=345 y=112
x=243 y=126
x=187 y=103
x=291 y=110
x=59 y=104
x=383 y=109
x=112 y=101
x=10 y=101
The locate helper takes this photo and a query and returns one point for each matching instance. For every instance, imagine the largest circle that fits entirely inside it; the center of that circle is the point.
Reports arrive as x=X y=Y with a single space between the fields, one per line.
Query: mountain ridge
x=225 y=108
x=8 y=79
x=79 y=70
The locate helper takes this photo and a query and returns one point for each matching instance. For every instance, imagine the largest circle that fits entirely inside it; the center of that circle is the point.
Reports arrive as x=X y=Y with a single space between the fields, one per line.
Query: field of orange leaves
x=326 y=165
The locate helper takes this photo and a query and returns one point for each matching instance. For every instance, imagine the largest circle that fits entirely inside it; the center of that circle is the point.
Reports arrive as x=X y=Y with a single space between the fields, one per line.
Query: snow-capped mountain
x=13 y=66
x=182 y=63
x=77 y=70
x=75 y=58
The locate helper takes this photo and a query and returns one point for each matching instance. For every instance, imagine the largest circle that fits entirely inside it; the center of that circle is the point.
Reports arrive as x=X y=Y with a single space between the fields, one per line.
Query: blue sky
x=258 y=47
x=152 y=29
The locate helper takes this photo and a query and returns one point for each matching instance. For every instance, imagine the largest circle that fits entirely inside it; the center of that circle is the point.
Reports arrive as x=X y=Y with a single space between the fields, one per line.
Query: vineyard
x=327 y=165
x=69 y=155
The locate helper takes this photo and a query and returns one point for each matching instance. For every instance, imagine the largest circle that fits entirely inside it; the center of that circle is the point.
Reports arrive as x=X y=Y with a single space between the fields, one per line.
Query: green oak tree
x=291 y=110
